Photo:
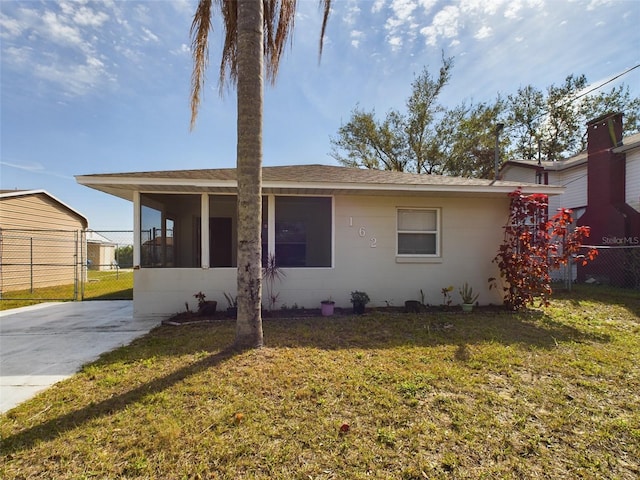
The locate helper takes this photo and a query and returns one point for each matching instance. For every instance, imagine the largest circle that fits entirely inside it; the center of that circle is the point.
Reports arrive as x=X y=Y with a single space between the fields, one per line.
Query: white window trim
x=427 y=257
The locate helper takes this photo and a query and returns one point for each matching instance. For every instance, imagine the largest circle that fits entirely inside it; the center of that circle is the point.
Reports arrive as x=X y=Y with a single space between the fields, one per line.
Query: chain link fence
x=616 y=266
x=82 y=265
x=66 y=264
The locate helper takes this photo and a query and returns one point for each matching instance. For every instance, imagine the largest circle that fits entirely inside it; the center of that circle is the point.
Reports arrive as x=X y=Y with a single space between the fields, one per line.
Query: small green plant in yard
x=467 y=295
x=543 y=393
x=232 y=300
x=446 y=295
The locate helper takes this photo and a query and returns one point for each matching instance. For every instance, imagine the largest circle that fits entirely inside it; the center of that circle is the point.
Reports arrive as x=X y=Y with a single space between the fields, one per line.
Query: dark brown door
x=220 y=242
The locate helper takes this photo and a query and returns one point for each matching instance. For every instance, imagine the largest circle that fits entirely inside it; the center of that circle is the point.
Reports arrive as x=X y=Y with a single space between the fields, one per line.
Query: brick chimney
x=610 y=218
x=606 y=169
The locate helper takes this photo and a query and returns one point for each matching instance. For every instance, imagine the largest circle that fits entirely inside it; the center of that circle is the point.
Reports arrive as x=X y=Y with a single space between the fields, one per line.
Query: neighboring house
x=602 y=186
x=101 y=252
x=333 y=230
x=40 y=240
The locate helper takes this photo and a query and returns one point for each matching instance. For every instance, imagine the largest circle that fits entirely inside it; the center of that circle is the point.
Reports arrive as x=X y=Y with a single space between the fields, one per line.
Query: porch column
x=137 y=225
x=204 y=231
x=271 y=224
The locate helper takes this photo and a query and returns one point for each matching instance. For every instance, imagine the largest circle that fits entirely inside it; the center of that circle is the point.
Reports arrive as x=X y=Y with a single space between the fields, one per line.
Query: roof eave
x=124 y=187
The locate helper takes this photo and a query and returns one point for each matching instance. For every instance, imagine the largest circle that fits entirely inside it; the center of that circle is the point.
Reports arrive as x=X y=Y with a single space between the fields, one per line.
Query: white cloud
x=149 y=35
x=594 y=4
x=356 y=37
x=402 y=9
x=183 y=49
x=184 y=7
x=395 y=42
x=427 y=5
x=480 y=7
x=353 y=10
x=445 y=24
x=29 y=167
x=76 y=79
x=377 y=6
x=60 y=32
x=512 y=12
x=9 y=27
x=484 y=32
x=33 y=167
x=18 y=57
x=87 y=17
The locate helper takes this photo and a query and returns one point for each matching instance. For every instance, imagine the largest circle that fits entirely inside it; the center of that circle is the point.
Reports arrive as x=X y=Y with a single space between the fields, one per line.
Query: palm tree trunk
x=249 y=170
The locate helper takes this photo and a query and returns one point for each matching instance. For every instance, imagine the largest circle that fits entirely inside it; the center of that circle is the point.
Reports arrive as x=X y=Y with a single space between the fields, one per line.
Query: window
x=418 y=232
x=303 y=231
x=157 y=249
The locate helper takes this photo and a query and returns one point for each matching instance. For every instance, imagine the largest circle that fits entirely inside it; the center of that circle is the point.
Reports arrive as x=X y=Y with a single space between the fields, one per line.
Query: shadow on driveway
x=45 y=343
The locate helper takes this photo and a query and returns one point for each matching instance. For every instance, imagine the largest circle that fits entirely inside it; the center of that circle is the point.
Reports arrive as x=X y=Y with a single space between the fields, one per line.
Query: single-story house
x=602 y=187
x=101 y=252
x=333 y=230
x=40 y=240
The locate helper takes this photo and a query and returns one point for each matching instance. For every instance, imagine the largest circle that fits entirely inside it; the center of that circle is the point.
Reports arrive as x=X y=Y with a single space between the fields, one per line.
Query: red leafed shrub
x=533 y=245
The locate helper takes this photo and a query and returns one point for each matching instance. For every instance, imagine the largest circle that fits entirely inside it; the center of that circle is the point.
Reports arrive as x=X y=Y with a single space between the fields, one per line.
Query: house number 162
x=373 y=241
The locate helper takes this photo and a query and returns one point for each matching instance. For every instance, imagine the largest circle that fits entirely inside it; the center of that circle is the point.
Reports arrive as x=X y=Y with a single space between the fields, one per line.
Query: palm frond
x=279 y=20
x=229 y=60
x=326 y=7
x=199 y=33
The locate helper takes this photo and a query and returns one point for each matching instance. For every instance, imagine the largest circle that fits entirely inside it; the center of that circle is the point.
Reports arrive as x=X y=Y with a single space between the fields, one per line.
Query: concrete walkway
x=45 y=343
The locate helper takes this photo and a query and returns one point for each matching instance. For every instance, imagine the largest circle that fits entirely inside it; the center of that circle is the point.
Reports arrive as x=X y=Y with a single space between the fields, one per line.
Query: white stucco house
x=332 y=229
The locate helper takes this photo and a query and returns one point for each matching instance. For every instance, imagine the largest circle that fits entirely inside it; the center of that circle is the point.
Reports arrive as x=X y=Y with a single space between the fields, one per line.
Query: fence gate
x=65 y=265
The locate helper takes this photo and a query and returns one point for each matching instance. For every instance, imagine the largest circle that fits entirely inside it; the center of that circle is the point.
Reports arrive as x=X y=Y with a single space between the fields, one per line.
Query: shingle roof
x=327 y=179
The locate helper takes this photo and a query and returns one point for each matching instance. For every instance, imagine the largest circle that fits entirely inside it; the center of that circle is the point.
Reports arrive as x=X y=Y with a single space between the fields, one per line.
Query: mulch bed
x=188 y=318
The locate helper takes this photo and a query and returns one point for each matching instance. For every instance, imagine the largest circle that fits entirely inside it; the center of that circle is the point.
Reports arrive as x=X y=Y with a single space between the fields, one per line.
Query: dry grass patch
x=543 y=394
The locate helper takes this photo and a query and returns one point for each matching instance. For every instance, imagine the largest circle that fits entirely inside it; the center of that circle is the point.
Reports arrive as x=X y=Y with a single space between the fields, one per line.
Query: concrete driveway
x=43 y=344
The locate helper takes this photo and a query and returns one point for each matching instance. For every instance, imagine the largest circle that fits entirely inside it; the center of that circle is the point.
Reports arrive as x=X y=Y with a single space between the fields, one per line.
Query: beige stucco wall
x=364 y=259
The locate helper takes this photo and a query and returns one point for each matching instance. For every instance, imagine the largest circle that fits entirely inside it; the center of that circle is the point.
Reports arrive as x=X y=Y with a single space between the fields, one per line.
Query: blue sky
x=99 y=87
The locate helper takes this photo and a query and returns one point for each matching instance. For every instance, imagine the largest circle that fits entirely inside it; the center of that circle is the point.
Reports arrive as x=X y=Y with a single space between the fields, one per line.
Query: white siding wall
x=471 y=234
x=632 y=187
x=575 y=182
x=516 y=173
x=39 y=242
x=573 y=179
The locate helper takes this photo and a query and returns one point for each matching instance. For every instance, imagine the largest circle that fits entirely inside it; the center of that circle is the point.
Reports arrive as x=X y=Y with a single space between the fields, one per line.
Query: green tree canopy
x=431 y=139
x=401 y=141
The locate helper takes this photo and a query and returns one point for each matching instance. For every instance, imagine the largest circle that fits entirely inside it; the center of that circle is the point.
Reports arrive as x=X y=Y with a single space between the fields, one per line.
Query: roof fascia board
x=626 y=148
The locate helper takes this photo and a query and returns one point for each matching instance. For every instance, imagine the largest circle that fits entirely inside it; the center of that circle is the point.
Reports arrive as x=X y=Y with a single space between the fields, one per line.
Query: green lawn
x=100 y=285
x=550 y=393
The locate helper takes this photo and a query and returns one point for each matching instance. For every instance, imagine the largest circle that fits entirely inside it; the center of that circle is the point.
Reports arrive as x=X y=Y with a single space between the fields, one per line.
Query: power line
x=586 y=92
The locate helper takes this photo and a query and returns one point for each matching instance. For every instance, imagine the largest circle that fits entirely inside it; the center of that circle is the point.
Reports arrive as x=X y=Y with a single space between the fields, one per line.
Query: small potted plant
x=468 y=297
x=232 y=309
x=205 y=307
x=326 y=306
x=359 y=300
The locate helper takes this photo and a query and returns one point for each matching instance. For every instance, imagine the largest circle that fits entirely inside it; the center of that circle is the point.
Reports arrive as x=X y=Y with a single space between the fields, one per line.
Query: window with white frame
x=419 y=232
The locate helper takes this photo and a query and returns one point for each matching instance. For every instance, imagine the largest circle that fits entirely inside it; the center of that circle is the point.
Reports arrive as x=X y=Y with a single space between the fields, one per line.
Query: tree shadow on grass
x=531 y=329
x=59 y=425
x=627 y=298
x=370 y=331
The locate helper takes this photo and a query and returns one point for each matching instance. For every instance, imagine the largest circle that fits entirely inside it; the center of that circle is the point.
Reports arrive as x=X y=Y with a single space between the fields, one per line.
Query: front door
x=220 y=242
